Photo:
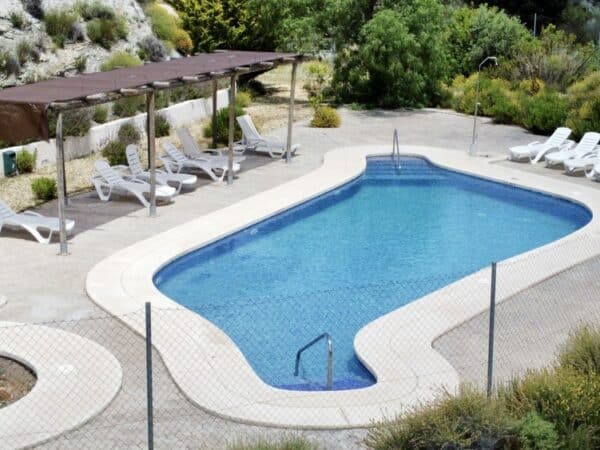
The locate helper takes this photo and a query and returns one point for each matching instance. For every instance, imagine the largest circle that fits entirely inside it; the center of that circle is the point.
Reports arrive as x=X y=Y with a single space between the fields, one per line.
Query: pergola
x=23 y=109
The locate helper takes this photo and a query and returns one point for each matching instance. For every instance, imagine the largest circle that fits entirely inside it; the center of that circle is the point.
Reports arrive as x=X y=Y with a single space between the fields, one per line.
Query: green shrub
x=128 y=106
x=44 y=188
x=243 y=99
x=16 y=20
x=189 y=92
x=467 y=420
x=100 y=114
x=582 y=351
x=583 y=98
x=326 y=117
x=183 y=42
x=256 y=87
x=288 y=443
x=536 y=433
x=94 y=10
x=164 y=24
x=317 y=76
x=105 y=32
x=545 y=111
x=9 y=64
x=128 y=134
x=80 y=63
x=162 y=126
x=114 y=152
x=24 y=50
x=75 y=123
x=581 y=91
x=564 y=397
x=26 y=161
x=223 y=126
x=61 y=26
x=120 y=59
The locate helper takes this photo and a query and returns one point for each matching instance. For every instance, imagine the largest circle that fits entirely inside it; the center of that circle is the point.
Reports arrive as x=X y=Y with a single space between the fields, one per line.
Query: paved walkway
x=41 y=287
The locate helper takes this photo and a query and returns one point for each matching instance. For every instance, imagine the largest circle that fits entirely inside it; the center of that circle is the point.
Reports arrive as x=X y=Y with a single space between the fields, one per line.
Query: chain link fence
x=214 y=361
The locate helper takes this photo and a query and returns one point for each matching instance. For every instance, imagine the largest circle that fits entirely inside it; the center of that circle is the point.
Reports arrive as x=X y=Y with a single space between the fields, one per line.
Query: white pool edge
x=218 y=378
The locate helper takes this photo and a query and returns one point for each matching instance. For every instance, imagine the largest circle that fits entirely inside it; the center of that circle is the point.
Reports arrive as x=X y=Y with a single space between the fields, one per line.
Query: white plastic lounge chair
x=535 y=151
x=192 y=151
x=594 y=173
x=588 y=143
x=110 y=179
x=162 y=177
x=252 y=140
x=31 y=222
x=175 y=162
x=583 y=164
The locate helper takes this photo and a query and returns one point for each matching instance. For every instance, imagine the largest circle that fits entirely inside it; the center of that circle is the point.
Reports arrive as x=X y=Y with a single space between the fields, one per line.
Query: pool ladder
x=329 y=357
x=396 y=150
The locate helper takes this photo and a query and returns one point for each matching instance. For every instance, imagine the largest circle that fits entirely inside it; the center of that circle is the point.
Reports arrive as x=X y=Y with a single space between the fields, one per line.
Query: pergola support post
x=288 y=147
x=215 y=86
x=150 y=132
x=60 y=175
x=232 y=90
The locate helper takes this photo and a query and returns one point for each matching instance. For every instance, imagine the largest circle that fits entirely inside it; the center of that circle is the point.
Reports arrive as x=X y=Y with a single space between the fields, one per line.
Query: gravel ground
x=269 y=113
x=16 y=381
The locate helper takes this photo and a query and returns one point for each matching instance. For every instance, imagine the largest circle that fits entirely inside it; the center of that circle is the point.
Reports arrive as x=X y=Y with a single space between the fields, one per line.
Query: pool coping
x=68 y=391
x=218 y=379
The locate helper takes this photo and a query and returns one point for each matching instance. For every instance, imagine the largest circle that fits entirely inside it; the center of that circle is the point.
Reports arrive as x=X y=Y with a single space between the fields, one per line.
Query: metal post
x=214 y=113
x=288 y=147
x=150 y=132
x=60 y=175
x=490 y=368
x=534 y=24
x=232 y=89
x=329 y=364
x=149 y=394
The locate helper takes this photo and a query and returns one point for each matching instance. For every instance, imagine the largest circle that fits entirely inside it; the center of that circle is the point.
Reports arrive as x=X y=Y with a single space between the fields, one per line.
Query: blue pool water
x=340 y=261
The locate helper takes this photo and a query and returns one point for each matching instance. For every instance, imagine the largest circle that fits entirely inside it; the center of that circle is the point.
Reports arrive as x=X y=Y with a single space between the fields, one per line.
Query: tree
x=399 y=59
x=547 y=10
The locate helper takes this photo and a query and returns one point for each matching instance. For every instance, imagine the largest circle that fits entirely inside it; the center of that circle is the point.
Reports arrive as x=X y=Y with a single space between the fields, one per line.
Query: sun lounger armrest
x=534 y=143
x=31 y=213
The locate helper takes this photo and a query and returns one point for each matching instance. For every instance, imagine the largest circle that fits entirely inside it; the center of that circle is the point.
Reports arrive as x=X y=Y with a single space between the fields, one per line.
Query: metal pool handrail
x=329 y=357
x=396 y=148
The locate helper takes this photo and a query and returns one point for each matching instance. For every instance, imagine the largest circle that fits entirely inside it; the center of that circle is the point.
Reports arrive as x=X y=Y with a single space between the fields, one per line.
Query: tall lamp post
x=473 y=148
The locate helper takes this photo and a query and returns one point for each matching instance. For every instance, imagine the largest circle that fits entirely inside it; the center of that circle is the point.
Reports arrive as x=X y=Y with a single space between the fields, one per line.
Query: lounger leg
x=142 y=199
x=37 y=235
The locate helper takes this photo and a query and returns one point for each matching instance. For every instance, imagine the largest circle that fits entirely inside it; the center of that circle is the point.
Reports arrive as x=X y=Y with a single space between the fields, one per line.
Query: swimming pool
x=342 y=260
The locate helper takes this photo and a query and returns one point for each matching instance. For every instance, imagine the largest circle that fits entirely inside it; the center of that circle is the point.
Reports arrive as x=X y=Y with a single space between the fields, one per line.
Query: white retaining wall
x=76 y=147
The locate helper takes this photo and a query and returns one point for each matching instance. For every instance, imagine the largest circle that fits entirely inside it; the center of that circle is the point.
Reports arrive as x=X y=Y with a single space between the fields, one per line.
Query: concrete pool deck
x=55 y=286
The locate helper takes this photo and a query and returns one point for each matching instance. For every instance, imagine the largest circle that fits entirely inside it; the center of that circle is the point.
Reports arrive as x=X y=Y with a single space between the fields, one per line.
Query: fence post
x=149 y=398
x=490 y=368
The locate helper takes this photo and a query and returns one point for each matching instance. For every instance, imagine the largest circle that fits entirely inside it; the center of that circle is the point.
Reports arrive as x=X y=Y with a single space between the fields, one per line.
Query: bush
x=289 y=443
x=94 y=10
x=318 y=77
x=243 y=99
x=100 y=114
x=75 y=123
x=183 y=42
x=326 y=117
x=256 y=87
x=24 y=52
x=582 y=351
x=9 y=64
x=61 y=25
x=34 y=8
x=151 y=49
x=164 y=24
x=105 y=32
x=399 y=60
x=162 y=126
x=114 y=152
x=17 y=20
x=468 y=420
x=189 y=92
x=223 y=126
x=128 y=106
x=120 y=59
x=44 y=188
x=536 y=433
x=80 y=63
x=26 y=161
x=545 y=111
x=128 y=134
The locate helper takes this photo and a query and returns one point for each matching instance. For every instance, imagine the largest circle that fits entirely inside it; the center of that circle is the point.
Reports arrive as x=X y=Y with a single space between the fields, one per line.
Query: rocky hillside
x=40 y=39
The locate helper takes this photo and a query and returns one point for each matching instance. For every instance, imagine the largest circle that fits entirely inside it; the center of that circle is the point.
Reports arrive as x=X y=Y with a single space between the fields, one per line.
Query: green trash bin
x=9 y=159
